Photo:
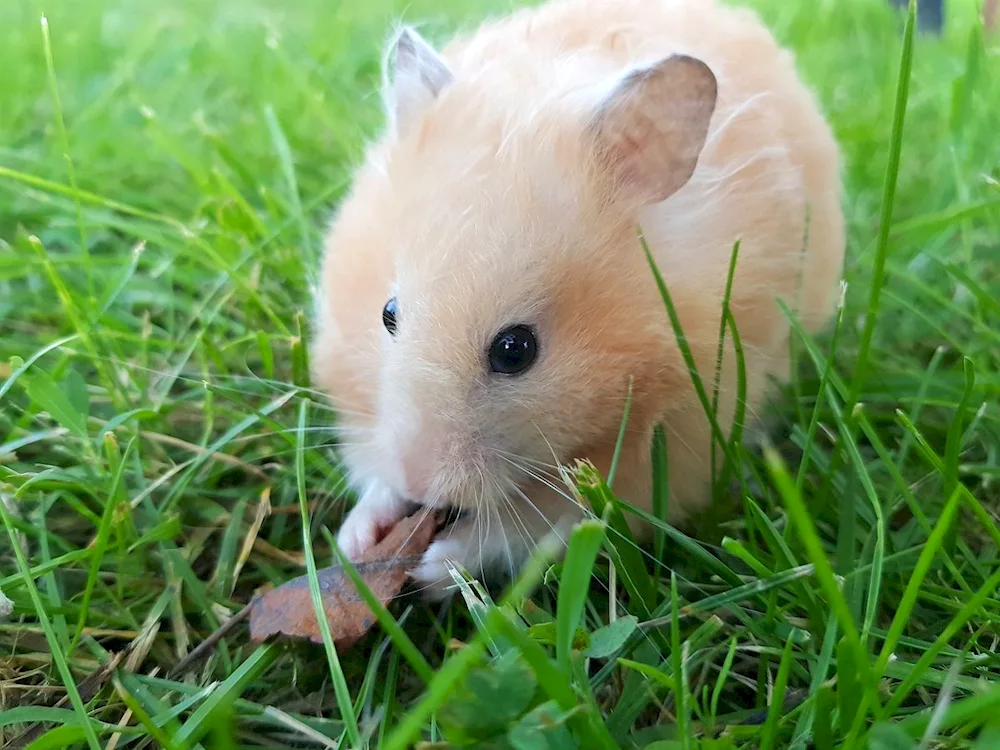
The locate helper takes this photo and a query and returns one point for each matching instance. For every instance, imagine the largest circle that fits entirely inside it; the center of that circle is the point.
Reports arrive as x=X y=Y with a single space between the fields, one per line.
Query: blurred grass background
x=165 y=174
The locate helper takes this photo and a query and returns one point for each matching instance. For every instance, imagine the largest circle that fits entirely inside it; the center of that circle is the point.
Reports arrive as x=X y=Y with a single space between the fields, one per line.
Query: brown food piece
x=288 y=610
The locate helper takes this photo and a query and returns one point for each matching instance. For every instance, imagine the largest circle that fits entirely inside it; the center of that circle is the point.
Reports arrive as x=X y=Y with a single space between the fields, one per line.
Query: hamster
x=485 y=304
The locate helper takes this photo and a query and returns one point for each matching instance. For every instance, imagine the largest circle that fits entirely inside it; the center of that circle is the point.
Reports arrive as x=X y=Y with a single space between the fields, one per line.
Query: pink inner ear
x=628 y=151
x=628 y=154
x=638 y=138
x=651 y=129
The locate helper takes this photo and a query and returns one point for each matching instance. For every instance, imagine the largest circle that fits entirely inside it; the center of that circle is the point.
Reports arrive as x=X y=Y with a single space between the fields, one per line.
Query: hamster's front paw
x=483 y=550
x=377 y=510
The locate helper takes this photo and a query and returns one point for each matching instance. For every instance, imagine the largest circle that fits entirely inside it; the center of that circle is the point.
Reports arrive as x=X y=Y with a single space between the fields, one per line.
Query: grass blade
x=117 y=464
x=455 y=668
x=203 y=718
x=903 y=611
x=50 y=636
x=626 y=555
x=814 y=547
x=885 y=215
x=574 y=588
x=678 y=658
x=777 y=702
x=385 y=619
x=343 y=693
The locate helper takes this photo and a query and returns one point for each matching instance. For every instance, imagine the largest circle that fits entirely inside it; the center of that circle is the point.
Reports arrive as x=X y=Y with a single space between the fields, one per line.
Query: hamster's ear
x=652 y=127
x=414 y=75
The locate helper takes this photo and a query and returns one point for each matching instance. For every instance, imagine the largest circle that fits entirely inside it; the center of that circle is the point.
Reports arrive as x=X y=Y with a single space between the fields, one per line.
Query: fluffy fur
x=507 y=189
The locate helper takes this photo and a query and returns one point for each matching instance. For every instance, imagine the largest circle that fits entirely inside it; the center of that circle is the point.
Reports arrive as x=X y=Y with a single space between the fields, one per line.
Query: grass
x=164 y=177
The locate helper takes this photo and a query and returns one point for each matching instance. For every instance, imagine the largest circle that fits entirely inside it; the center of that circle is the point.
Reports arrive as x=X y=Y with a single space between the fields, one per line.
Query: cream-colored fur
x=496 y=198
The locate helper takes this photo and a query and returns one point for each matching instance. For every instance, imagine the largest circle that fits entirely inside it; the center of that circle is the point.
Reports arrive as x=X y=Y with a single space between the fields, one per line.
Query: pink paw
x=378 y=510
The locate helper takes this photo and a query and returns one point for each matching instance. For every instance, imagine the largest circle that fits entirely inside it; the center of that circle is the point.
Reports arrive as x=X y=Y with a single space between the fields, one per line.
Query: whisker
x=424 y=513
x=551 y=449
x=533 y=461
x=507 y=505
x=551 y=485
x=537 y=510
x=519 y=524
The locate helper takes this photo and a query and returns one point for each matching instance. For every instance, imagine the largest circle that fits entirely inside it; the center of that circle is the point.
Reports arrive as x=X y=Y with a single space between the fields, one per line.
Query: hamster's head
x=486 y=304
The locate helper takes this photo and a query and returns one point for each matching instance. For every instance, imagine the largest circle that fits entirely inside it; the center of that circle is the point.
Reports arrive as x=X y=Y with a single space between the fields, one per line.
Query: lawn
x=165 y=174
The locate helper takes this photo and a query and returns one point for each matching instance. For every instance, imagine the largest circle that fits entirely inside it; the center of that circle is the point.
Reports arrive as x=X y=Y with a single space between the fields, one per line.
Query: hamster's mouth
x=452 y=513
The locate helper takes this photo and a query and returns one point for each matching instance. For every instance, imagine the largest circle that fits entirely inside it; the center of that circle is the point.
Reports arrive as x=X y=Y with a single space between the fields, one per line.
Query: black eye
x=513 y=350
x=389 y=316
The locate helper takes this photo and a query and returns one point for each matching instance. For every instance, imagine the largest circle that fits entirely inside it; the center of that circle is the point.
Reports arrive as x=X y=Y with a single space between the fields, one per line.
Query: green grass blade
x=971 y=608
x=620 y=439
x=50 y=67
x=556 y=684
x=50 y=636
x=116 y=466
x=202 y=719
x=287 y=162
x=777 y=703
x=661 y=489
x=385 y=619
x=885 y=216
x=340 y=687
x=626 y=555
x=974 y=711
x=738 y=594
x=724 y=320
x=678 y=658
x=903 y=611
x=824 y=573
x=574 y=588
x=455 y=668
x=685 y=347
x=152 y=728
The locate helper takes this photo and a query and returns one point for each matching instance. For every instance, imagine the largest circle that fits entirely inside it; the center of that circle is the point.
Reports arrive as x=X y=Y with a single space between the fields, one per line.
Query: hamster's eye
x=389 y=316
x=513 y=350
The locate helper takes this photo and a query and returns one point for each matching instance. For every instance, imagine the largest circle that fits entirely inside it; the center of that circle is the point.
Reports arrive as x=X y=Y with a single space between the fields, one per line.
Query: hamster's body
x=508 y=191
